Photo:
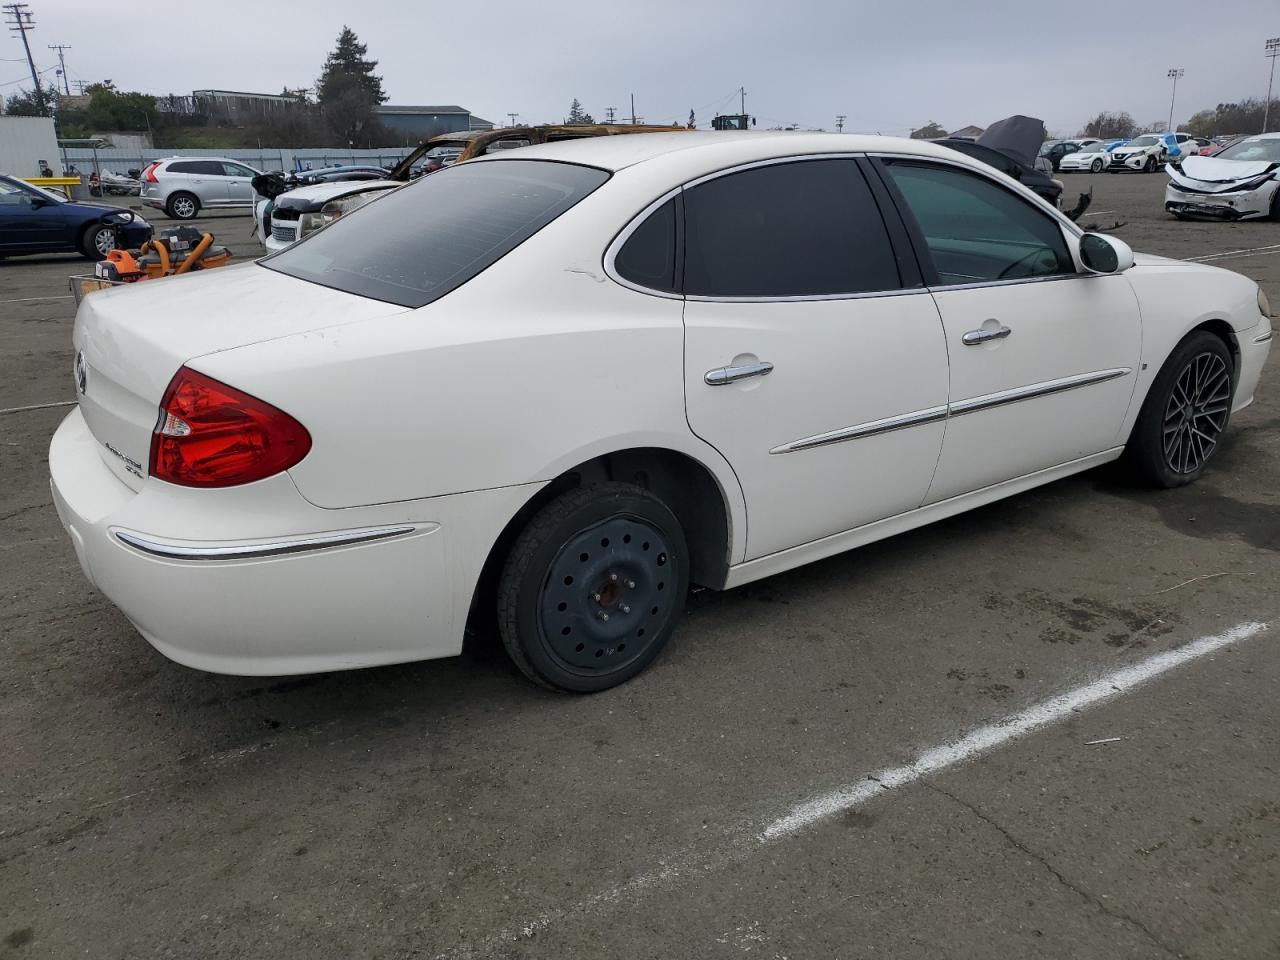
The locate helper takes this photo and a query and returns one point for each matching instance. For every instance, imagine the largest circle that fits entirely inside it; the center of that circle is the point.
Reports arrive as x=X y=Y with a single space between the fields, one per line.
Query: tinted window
x=648 y=258
x=202 y=167
x=235 y=170
x=182 y=166
x=440 y=232
x=977 y=230
x=802 y=229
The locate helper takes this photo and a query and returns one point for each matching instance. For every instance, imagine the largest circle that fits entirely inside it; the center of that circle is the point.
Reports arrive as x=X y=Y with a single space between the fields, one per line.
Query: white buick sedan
x=563 y=383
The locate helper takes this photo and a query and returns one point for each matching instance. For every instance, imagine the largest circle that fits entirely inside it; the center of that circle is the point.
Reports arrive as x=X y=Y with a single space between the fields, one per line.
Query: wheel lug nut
x=613 y=578
x=595 y=597
x=604 y=617
x=631 y=584
x=625 y=608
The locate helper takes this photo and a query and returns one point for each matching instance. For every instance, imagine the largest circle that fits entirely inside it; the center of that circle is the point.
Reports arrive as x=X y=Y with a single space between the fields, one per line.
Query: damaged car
x=1144 y=154
x=1240 y=182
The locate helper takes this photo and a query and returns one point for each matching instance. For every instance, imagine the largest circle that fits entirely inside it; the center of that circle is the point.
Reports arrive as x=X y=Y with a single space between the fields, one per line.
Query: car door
x=814 y=358
x=29 y=222
x=1043 y=356
x=239 y=184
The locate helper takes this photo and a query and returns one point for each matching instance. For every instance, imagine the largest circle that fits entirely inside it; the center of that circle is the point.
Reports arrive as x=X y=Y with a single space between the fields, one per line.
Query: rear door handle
x=723 y=375
x=975 y=337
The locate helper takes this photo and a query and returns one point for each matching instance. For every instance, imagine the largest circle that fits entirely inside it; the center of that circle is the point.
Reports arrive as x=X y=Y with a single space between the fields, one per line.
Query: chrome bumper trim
x=1265 y=337
x=1035 y=390
x=259 y=551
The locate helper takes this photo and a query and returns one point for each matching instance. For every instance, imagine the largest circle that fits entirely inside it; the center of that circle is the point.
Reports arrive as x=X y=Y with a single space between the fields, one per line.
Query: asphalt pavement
x=1045 y=728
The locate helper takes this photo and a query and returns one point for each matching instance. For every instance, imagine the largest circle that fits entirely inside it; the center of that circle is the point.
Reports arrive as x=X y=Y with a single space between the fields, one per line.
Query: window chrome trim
x=918 y=418
x=259 y=551
x=1031 y=391
x=611 y=252
x=816 y=298
x=870 y=429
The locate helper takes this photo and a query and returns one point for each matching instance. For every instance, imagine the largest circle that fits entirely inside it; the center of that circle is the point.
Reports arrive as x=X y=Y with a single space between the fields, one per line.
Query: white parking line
x=39 y=406
x=746 y=842
x=1248 y=251
x=67 y=296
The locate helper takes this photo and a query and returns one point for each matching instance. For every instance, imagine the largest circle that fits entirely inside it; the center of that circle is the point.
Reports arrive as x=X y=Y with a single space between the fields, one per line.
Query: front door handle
x=975 y=337
x=722 y=375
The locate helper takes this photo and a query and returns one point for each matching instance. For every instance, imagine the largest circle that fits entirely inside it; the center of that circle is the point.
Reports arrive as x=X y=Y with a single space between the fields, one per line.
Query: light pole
x=1175 y=74
x=1273 y=51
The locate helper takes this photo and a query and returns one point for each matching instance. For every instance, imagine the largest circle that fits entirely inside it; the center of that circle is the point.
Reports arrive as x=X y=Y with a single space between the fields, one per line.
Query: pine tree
x=577 y=114
x=693 y=124
x=346 y=69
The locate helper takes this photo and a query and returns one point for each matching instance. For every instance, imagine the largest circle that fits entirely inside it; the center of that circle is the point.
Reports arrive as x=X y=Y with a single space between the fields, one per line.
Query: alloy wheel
x=184 y=208
x=608 y=593
x=104 y=241
x=1196 y=412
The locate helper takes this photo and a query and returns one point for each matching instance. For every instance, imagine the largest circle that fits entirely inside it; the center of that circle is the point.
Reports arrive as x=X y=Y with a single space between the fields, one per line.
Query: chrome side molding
x=260 y=551
x=871 y=429
x=1018 y=394
x=933 y=414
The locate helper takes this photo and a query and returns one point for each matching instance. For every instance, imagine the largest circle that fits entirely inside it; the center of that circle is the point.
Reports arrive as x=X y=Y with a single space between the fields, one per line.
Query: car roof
x=713 y=149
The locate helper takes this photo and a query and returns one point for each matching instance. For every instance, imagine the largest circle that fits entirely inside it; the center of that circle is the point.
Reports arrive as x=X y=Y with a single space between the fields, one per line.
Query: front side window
x=801 y=229
x=977 y=231
x=11 y=195
x=235 y=170
x=440 y=232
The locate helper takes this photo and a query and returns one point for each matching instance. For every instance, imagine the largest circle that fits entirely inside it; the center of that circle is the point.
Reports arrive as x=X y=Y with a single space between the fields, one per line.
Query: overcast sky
x=887 y=66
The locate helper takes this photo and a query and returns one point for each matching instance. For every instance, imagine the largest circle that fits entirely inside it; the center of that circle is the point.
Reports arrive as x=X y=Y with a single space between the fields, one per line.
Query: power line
x=840 y=119
x=20 y=21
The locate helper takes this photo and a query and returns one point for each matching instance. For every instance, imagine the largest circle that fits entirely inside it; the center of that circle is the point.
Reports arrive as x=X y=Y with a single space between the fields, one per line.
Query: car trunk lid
x=130 y=341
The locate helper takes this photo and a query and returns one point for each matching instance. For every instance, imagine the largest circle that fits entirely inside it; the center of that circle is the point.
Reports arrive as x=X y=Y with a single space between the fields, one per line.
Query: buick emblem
x=82 y=372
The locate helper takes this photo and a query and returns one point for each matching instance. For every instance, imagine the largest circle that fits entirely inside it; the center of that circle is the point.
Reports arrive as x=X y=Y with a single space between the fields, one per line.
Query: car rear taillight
x=150 y=173
x=213 y=435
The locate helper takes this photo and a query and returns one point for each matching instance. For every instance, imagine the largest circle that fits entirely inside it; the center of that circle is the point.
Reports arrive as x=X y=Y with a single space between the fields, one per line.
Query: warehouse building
x=425 y=121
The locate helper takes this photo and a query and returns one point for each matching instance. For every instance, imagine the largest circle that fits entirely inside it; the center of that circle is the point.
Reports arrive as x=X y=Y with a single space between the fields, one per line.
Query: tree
x=346 y=69
x=692 y=124
x=930 y=131
x=1110 y=126
x=348 y=91
x=24 y=103
x=577 y=114
x=1244 y=116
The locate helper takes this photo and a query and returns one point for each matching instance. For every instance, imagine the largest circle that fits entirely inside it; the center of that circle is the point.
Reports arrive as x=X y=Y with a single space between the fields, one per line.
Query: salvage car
x=34 y=220
x=1035 y=180
x=1055 y=151
x=313 y=205
x=1240 y=182
x=1093 y=158
x=555 y=386
x=1146 y=153
x=183 y=186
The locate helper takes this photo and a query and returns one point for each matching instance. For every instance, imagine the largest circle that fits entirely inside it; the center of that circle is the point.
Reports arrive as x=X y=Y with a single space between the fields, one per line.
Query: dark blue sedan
x=40 y=221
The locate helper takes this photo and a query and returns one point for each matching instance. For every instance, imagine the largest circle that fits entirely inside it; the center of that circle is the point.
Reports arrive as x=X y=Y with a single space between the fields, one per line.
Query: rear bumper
x=258 y=581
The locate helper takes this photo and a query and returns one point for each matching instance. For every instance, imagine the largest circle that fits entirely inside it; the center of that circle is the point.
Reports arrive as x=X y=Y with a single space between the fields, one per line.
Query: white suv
x=183 y=186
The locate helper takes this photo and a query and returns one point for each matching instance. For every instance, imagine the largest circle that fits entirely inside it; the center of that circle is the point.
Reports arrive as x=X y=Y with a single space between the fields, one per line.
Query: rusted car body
x=476 y=143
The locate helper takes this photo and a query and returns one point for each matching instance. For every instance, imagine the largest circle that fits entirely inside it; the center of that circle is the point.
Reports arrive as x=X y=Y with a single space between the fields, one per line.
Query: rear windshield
x=434 y=235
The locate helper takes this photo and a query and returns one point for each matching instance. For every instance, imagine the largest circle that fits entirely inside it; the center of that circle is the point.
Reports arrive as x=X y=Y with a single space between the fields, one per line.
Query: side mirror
x=1103 y=253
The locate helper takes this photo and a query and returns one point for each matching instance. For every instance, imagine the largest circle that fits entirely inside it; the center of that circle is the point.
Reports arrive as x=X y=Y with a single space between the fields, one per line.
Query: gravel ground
x=450 y=809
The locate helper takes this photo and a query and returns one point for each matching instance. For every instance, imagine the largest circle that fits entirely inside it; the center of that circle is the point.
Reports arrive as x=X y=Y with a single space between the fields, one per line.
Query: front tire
x=182 y=206
x=593 y=588
x=1185 y=413
x=97 y=241
x=1150 y=165
x=1096 y=166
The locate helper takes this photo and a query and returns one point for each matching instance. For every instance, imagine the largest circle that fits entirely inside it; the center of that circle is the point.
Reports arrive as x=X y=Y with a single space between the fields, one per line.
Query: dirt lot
x=450 y=809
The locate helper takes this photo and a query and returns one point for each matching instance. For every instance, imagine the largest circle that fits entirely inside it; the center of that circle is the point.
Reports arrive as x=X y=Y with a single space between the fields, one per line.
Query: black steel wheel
x=593 y=588
x=1185 y=413
x=1150 y=165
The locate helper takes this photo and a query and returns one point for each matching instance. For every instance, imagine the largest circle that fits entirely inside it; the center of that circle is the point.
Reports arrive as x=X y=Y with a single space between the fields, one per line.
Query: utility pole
x=80 y=85
x=62 y=65
x=1175 y=74
x=633 y=109
x=840 y=119
x=1273 y=51
x=742 y=101
x=609 y=112
x=20 y=22
x=513 y=118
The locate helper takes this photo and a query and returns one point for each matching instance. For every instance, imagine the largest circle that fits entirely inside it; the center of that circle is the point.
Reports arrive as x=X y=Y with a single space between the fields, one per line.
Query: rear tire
x=593 y=588
x=1095 y=167
x=1185 y=413
x=1275 y=205
x=182 y=206
x=96 y=240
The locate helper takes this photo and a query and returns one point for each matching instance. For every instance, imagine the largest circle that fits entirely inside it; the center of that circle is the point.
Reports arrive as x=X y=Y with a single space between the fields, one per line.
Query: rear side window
x=648 y=258
x=439 y=232
x=182 y=166
x=207 y=168
x=802 y=229
x=976 y=230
